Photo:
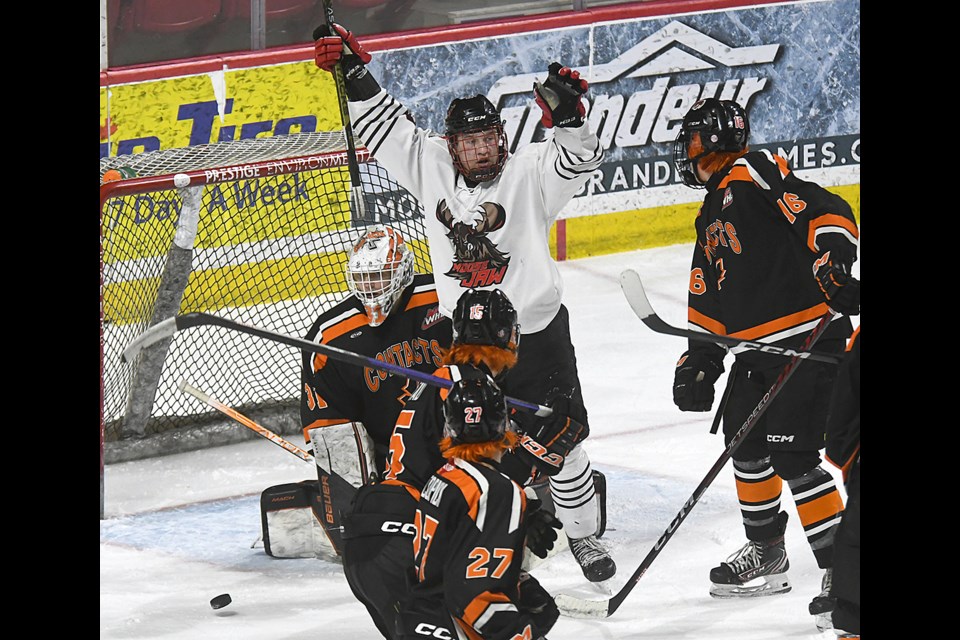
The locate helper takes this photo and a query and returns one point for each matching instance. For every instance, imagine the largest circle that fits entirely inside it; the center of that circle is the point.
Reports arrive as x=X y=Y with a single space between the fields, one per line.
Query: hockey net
x=254 y=230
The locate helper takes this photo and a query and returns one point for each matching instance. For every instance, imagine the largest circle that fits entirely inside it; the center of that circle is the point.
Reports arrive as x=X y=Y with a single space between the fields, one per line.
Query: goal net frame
x=255 y=230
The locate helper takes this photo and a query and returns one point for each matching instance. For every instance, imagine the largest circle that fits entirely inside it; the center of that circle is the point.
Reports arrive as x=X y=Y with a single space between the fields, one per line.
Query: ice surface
x=182 y=529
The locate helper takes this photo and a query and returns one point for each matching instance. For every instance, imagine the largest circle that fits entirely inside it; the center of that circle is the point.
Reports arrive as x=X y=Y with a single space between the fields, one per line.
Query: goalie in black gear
x=765 y=267
x=391 y=310
x=343 y=407
x=489 y=214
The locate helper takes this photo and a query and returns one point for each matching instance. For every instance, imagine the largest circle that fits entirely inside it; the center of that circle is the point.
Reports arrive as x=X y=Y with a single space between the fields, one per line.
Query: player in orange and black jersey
x=774 y=254
x=471 y=526
x=377 y=531
x=392 y=315
x=486 y=335
x=843 y=450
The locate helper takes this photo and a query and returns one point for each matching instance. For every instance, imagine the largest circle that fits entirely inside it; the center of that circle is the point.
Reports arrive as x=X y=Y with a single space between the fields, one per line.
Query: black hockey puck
x=221 y=601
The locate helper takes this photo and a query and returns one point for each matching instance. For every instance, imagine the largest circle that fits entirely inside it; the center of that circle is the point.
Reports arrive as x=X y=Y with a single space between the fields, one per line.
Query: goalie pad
x=304 y=519
x=345 y=450
x=289 y=527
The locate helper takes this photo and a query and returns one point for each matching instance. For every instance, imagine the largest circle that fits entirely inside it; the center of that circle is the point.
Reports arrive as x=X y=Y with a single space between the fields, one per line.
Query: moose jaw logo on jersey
x=476 y=260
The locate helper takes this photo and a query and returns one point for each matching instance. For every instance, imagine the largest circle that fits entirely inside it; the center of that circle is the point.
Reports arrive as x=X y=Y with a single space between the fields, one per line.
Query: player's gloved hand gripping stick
x=327 y=59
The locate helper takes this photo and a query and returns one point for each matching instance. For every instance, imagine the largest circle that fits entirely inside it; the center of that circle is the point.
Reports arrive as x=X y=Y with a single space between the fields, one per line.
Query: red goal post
x=253 y=230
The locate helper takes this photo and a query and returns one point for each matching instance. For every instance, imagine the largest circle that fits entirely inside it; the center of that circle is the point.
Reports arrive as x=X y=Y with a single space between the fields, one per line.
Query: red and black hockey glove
x=329 y=49
x=841 y=290
x=693 y=379
x=563 y=429
x=546 y=441
x=559 y=97
x=542 y=528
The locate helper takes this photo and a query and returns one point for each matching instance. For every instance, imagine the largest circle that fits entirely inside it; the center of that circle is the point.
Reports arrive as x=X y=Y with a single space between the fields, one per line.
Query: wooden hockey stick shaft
x=166 y=328
x=579 y=608
x=247 y=422
x=335 y=491
x=358 y=207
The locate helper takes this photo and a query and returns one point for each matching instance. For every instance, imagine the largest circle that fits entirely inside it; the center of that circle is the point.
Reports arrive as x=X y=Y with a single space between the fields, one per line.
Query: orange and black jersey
x=843 y=426
x=413 y=336
x=415 y=443
x=760 y=231
x=468 y=549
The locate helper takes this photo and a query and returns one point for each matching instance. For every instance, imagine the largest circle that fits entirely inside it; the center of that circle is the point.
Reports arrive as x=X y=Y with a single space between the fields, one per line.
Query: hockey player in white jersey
x=488 y=217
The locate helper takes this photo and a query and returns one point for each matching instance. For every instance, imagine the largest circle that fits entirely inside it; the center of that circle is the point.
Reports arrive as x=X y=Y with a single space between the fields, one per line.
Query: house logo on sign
x=647 y=114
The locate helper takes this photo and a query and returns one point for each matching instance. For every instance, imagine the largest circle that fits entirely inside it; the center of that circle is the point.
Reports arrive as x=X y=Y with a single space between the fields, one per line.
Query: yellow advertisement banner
x=230 y=104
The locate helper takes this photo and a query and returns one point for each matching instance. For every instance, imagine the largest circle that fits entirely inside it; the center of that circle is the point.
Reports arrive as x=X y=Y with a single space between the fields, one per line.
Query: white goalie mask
x=379 y=269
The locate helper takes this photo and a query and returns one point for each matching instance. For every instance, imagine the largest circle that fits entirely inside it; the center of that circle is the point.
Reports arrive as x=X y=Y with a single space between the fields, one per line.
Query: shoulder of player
x=343 y=318
x=757 y=169
x=471 y=478
x=423 y=293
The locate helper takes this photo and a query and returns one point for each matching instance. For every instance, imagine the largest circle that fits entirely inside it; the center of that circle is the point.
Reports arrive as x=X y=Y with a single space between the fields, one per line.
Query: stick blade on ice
x=574 y=607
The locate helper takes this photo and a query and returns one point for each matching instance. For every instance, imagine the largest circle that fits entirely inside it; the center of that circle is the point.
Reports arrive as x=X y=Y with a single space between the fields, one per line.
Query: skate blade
x=764 y=586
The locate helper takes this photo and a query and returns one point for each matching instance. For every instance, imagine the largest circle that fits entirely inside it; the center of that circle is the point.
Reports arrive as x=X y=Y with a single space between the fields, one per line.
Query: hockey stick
x=334 y=490
x=358 y=207
x=166 y=328
x=579 y=608
x=637 y=298
x=247 y=422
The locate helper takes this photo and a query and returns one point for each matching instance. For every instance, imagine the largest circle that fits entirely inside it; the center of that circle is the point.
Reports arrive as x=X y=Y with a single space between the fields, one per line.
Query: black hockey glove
x=520 y=467
x=693 y=379
x=343 y=47
x=536 y=602
x=559 y=97
x=841 y=290
x=541 y=528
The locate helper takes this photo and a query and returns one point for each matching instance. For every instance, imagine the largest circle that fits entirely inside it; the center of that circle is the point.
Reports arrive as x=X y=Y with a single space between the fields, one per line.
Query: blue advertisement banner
x=795 y=68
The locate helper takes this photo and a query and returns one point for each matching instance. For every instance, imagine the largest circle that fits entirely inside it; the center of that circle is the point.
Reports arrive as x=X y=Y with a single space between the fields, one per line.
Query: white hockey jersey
x=495 y=234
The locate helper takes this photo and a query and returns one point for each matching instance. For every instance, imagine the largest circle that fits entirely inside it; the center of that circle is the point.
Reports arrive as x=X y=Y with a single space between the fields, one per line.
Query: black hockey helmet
x=475 y=409
x=486 y=317
x=466 y=115
x=722 y=125
x=474 y=115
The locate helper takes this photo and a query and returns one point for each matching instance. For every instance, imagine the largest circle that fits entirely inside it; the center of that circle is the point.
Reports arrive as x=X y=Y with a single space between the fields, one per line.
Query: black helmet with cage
x=475 y=409
x=710 y=126
x=472 y=124
x=486 y=317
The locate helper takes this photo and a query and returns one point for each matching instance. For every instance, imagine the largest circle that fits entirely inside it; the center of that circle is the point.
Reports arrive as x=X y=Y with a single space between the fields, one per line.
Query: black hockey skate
x=594 y=561
x=758 y=569
x=822 y=605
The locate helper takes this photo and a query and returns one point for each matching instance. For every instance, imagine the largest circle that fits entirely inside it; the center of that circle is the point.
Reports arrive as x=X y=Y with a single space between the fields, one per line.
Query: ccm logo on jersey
x=406 y=528
x=773 y=437
x=431 y=631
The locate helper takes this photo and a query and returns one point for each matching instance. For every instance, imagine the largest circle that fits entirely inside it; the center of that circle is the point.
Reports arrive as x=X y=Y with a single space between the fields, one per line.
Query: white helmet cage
x=379 y=269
